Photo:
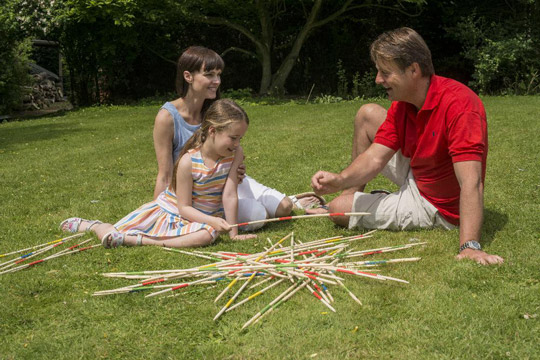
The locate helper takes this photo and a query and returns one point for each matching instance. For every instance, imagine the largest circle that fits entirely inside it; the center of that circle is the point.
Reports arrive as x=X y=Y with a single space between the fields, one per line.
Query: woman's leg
x=250 y=210
x=284 y=208
x=275 y=202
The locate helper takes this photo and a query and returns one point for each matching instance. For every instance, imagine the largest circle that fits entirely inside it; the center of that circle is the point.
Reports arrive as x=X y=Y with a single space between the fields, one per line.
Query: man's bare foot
x=307 y=201
x=317 y=210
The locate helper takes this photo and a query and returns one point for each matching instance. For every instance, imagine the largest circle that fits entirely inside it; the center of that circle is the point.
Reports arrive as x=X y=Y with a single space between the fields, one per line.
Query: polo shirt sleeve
x=467 y=137
x=387 y=134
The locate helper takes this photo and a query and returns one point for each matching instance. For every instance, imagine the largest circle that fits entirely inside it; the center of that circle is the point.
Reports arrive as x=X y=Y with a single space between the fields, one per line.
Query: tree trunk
x=265 y=48
x=266 y=78
x=275 y=83
x=280 y=77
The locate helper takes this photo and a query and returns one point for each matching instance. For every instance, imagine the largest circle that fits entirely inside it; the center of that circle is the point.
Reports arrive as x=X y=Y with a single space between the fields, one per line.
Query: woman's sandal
x=114 y=239
x=72 y=224
x=319 y=202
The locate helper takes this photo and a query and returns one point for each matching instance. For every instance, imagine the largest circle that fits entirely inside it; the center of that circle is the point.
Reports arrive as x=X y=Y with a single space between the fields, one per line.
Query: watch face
x=471 y=245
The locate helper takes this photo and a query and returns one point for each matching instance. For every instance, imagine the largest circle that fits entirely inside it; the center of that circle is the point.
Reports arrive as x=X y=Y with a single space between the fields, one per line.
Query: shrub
x=364 y=86
x=14 y=52
x=506 y=60
x=343 y=82
x=238 y=94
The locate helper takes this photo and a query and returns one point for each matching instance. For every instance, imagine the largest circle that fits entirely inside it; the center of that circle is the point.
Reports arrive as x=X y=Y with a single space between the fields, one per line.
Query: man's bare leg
x=341 y=204
x=366 y=123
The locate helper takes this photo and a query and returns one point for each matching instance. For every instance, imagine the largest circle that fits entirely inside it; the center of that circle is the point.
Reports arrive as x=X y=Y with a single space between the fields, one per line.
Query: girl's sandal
x=72 y=224
x=113 y=239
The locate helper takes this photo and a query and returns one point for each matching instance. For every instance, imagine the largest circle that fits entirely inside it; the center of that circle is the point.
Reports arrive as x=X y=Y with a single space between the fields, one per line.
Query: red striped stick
x=283 y=218
x=68 y=251
x=41 y=245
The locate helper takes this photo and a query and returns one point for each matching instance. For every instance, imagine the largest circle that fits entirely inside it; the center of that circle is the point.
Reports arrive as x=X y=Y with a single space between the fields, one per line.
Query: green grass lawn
x=99 y=163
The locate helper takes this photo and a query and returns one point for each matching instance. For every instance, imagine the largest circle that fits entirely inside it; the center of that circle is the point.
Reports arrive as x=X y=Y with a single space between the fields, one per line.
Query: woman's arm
x=230 y=196
x=163 y=139
x=184 y=187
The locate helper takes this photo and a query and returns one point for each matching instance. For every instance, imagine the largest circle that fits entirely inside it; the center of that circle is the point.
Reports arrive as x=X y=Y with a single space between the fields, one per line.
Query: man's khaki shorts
x=405 y=209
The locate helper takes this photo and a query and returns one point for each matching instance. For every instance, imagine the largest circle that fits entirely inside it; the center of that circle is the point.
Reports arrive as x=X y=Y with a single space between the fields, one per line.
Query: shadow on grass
x=494 y=221
x=14 y=136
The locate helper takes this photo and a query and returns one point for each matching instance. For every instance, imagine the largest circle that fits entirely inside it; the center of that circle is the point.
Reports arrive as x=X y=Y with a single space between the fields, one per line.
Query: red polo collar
x=433 y=95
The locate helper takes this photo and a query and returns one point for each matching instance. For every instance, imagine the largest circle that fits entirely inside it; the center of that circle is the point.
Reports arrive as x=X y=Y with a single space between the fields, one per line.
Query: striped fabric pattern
x=208 y=183
x=160 y=219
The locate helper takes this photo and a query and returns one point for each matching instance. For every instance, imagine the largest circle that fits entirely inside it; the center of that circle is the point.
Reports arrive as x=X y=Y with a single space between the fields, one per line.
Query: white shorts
x=403 y=210
x=256 y=202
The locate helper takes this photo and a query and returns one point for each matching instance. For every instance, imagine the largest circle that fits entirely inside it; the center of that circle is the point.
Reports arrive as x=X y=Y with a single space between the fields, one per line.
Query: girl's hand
x=220 y=225
x=243 y=237
x=241 y=172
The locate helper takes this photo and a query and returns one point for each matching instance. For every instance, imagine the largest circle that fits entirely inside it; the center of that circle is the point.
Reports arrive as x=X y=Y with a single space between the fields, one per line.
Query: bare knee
x=369 y=117
x=196 y=239
x=285 y=207
x=204 y=239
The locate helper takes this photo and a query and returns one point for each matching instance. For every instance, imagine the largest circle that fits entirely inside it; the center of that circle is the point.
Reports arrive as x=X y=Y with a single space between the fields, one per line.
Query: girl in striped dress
x=203 y=190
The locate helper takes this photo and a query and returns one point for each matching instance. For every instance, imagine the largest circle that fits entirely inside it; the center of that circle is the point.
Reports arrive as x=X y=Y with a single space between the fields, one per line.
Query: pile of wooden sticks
x=20 y=262
x=313 y=265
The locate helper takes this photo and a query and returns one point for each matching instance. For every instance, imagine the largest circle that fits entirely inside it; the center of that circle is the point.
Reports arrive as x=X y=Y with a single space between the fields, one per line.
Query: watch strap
x=470 y=245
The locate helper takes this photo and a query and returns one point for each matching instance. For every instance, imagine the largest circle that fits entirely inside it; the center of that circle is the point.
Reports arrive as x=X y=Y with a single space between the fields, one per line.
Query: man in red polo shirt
x=432 y=142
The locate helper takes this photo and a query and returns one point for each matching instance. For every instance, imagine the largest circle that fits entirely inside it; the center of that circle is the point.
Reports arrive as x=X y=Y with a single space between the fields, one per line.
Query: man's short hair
x=403 y=47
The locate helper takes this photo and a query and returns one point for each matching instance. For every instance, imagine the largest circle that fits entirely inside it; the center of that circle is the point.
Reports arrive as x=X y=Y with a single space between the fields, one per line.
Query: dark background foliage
x=124 y=50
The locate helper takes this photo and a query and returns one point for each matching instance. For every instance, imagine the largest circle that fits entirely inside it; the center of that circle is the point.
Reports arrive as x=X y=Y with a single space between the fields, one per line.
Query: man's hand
x=324 y=182
x=480 y=257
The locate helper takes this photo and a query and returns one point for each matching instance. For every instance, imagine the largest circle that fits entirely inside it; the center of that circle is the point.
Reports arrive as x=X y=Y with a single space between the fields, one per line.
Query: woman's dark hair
x=193 y=59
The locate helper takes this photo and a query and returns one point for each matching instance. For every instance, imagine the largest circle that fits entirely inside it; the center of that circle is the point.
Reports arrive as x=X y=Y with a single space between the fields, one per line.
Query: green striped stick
x=253 y=296
x=250 y=278
x=351 y=294
x=54 y=256
x=293 y=288
x=287 y=297
x=41 y=245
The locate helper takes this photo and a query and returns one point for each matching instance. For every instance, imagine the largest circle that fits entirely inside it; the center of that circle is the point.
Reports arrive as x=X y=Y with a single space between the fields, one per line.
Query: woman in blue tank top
x=197 y=83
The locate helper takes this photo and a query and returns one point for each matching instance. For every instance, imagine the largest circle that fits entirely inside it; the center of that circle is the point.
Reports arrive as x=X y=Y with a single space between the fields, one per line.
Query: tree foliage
x=277 y=30
x=117 y=50
x=504 y=46
x=14 y=52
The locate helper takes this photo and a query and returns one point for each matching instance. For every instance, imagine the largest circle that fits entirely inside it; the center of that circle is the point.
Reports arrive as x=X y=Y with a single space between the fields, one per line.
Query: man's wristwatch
x=475 y=245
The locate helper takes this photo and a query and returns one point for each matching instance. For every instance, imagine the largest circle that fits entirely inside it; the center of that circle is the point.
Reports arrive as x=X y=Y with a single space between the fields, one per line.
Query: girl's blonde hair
x=220 y=115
